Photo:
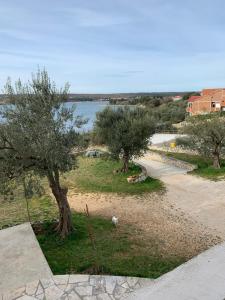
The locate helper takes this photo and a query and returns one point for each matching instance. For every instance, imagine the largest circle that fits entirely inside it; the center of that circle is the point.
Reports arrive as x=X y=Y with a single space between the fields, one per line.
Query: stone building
x=210 y=100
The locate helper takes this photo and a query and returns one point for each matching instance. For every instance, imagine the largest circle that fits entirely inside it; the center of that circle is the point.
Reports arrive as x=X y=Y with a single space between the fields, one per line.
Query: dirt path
x=199 y=199
x=152 y=218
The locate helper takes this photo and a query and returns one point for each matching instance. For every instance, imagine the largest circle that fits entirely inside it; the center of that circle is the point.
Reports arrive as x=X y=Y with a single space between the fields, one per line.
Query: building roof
x=193 y=98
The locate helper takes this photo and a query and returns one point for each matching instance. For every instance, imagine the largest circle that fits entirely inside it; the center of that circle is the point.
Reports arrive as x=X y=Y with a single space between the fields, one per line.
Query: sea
x=87 y=110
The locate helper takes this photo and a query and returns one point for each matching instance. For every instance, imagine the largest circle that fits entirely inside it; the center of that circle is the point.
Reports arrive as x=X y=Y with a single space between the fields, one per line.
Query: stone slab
x=21 y=258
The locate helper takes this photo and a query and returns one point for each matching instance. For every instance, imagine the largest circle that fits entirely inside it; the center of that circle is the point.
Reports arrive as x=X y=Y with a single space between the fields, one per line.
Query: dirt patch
x=153 y=219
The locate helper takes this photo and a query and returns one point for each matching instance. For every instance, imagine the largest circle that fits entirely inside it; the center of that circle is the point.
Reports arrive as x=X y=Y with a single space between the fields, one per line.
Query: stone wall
x=172 y=161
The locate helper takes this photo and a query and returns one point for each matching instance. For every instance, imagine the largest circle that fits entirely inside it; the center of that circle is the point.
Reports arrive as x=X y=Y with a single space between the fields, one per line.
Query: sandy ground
x=153 y=218
x=199 y=199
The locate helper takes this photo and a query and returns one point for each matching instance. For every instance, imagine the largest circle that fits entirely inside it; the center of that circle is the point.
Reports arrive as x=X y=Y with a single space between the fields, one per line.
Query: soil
x=152 y=218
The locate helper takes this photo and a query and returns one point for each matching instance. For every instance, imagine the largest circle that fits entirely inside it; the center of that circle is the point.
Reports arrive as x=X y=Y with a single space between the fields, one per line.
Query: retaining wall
x=172 y=161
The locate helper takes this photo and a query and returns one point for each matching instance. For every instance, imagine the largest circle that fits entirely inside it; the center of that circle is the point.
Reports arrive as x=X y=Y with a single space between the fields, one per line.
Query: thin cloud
x=115 y=45
x=91 y=18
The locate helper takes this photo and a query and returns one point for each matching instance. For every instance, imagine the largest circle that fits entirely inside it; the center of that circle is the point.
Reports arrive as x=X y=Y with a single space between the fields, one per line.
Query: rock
x=137 y=178
x=94 y=153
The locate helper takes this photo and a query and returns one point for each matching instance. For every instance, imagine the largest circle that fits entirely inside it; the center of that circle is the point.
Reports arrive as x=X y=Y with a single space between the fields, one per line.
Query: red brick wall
x=203 y=104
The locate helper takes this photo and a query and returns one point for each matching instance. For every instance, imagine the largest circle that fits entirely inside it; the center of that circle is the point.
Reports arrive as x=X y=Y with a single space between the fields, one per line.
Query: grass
x=204 y=165
x=96 y=175
x=118 y=252
x=14 y=211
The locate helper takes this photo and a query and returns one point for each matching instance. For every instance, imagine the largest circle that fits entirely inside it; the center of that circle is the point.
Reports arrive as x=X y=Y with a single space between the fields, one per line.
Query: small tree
x=126 y=132
x=206 y=134
x=37 y=134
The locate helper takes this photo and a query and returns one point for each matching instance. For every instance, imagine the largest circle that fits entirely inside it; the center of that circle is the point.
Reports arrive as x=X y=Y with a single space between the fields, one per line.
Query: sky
x=109 y=46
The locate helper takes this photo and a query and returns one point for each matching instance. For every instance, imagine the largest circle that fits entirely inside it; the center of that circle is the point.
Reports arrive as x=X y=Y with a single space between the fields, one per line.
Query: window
x=217 y=105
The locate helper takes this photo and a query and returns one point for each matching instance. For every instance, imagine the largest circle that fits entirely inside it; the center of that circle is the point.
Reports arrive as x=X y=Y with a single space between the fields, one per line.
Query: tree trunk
x=216 y=158
x=65 y=225
x=125 y=163
x=216 y=161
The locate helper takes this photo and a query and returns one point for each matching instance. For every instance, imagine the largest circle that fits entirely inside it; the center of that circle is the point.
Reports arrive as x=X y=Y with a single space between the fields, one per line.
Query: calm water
x=88 y=109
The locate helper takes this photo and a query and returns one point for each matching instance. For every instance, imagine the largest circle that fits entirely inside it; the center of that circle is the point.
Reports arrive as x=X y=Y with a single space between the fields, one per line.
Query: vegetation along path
x=198 y=198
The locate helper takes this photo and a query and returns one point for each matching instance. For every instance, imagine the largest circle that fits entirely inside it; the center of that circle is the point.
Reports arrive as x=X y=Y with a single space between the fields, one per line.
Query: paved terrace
x=79 y=287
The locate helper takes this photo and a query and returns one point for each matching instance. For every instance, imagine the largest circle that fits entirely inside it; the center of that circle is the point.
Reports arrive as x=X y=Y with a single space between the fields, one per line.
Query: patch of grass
x=14 y=211
x=205 y=168
x=96 y=175
x=118 y=251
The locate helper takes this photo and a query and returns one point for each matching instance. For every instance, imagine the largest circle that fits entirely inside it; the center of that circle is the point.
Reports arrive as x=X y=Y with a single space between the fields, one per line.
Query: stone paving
x=79 y=287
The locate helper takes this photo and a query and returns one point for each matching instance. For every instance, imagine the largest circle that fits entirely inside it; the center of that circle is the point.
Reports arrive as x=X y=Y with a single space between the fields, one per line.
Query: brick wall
x=211 y=100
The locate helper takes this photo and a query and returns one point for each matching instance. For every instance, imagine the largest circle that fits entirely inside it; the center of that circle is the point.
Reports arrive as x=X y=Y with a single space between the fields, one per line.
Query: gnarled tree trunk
x=216 y=157
x=125 y=162
x=216 y=161
x=65 y=225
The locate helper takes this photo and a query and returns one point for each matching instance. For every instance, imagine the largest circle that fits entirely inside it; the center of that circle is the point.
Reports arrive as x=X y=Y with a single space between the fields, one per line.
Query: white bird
x=114 y=220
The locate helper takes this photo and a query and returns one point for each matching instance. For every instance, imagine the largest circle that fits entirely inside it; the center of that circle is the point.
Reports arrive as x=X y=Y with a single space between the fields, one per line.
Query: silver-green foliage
x=206 y=135
x=37 y=134
x=126 y=131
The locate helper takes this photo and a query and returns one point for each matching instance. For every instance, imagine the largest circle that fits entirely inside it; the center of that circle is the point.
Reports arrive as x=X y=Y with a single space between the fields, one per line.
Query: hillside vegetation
x=162 y=108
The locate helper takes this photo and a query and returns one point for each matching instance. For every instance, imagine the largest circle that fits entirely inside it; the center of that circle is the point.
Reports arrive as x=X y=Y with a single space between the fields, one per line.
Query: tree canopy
x=206 y=134
x=126 y=131
x=37 y=135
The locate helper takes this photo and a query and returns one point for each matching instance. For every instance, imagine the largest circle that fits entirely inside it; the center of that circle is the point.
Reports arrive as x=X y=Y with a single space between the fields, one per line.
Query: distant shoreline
x=107 y=97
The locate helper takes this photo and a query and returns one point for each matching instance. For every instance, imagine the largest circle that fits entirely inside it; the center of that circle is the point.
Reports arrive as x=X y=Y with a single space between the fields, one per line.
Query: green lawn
x=96 y=175
x=205 y=168
x=118 y=251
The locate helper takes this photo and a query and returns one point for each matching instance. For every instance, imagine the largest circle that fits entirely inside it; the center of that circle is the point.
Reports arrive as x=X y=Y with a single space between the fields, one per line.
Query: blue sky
x=115 y=45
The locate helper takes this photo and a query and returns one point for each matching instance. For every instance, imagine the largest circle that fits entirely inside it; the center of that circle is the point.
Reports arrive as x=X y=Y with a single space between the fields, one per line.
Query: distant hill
x=122 y=96
x=104 y=97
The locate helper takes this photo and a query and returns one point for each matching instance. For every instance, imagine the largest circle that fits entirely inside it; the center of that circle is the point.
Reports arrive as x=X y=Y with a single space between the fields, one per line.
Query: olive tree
x=37 y=135
x=206 y=135
x=126 y=132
